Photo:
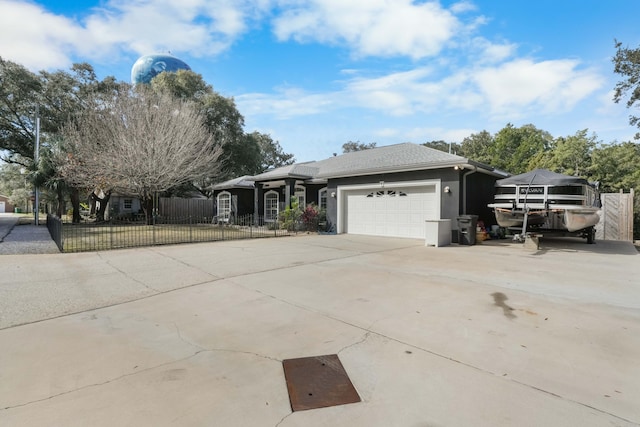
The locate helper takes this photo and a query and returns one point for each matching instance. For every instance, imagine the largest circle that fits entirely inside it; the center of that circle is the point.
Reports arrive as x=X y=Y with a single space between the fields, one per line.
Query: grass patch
x=99 y=237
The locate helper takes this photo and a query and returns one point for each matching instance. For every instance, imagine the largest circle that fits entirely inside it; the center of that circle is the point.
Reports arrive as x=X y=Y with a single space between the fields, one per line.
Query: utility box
x=437 y=232
x=467 y=229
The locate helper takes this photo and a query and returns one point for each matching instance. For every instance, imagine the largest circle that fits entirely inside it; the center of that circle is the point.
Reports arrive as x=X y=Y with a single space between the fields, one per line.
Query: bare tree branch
x=137 y=143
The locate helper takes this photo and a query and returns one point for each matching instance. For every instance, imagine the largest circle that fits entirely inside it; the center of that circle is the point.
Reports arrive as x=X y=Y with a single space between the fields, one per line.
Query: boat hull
x=547 y=201
x=579 y=219
x=509 y=218
x=571 y=220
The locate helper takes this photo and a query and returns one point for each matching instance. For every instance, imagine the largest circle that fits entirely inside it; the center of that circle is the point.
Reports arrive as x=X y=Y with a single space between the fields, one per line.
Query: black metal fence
x=137 y=232
x=54 y=225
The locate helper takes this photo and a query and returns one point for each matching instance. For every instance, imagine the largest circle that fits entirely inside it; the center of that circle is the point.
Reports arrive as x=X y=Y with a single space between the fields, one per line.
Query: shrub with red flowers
x=310 y=217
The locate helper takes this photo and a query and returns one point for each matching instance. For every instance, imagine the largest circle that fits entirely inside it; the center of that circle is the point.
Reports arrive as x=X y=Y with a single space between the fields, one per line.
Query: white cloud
x=285 y=103
x=35 y=38
x=417 y=91
x=397 y=93
x=484 y=51
x=371 y=27
x=199 y=27
x=463 y=6
x=507 y=91
x=548 y=86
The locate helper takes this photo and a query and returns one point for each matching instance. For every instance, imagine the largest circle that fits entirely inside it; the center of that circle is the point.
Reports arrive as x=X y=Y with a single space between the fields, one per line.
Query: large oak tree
x=627 y=63
x=53 y=97
x=243 y=153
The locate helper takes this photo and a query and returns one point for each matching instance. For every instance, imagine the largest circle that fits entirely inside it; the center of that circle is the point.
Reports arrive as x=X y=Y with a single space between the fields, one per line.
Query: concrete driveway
x=194 y=335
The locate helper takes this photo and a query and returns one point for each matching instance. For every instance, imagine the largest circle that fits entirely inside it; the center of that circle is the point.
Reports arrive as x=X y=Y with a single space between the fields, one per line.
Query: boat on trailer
x=545 y=201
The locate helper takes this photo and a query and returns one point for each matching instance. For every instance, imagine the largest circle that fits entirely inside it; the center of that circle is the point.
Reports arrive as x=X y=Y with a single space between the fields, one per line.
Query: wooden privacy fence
x=616 y=219
x=173 y=207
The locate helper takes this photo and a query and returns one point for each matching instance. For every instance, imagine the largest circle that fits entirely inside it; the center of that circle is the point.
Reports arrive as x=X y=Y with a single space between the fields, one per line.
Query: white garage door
x=394 y=212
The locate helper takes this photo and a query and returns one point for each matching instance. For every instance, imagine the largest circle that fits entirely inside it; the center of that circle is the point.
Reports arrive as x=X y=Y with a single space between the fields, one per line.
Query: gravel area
x=19 y=238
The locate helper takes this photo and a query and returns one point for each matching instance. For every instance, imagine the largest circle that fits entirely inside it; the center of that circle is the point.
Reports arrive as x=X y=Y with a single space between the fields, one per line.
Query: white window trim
x=277 y=205
x=296 y=191
x=326 y=195
x=223 y=216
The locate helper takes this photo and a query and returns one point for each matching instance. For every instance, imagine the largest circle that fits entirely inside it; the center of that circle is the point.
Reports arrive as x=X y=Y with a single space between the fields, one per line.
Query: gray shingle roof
x=390 y=158
x=298 y=170
x=242 y=182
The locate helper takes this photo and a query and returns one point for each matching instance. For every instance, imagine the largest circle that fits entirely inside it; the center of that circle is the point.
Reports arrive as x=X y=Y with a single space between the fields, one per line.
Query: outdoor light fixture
x=447 y=189
x=333 y=194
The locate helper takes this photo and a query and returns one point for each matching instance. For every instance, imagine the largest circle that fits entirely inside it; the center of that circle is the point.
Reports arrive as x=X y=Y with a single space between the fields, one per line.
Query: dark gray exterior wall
x=244 y=199
x=311 y=195
x=312 y=192
x=261 y=193
x=479 y=191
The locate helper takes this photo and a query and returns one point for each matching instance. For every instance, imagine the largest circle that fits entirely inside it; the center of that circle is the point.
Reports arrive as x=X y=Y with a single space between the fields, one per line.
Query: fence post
x=111 y=233
x=190 y=231
x=54 y=226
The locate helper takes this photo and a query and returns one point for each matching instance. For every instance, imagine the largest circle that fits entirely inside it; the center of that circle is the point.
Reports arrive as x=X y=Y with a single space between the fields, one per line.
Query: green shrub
x=291 y=216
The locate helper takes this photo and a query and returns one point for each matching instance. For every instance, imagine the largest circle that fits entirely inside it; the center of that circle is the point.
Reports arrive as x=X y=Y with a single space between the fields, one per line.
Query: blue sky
x=315 y=74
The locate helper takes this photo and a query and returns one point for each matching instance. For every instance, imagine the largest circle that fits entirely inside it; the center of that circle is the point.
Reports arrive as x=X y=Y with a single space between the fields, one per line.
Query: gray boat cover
x=541 y=177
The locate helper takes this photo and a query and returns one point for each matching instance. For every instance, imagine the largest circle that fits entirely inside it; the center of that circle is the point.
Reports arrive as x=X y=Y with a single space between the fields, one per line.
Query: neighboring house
x=384 y=191
x=5 y=206
x=121 y=205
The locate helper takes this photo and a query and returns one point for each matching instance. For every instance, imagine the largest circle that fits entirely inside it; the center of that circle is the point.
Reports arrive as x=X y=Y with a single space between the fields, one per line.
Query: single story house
x=384 y=191
x=123 y=205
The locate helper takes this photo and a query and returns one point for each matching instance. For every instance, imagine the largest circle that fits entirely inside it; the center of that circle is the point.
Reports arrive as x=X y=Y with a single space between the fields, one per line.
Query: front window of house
x=271 y=206
x=127 y=204
x=322 y=198
x=299 y=195
x=224 y=206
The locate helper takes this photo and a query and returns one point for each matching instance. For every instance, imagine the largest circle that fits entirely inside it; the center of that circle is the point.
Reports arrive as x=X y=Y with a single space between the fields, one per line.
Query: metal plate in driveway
x=318 y=382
